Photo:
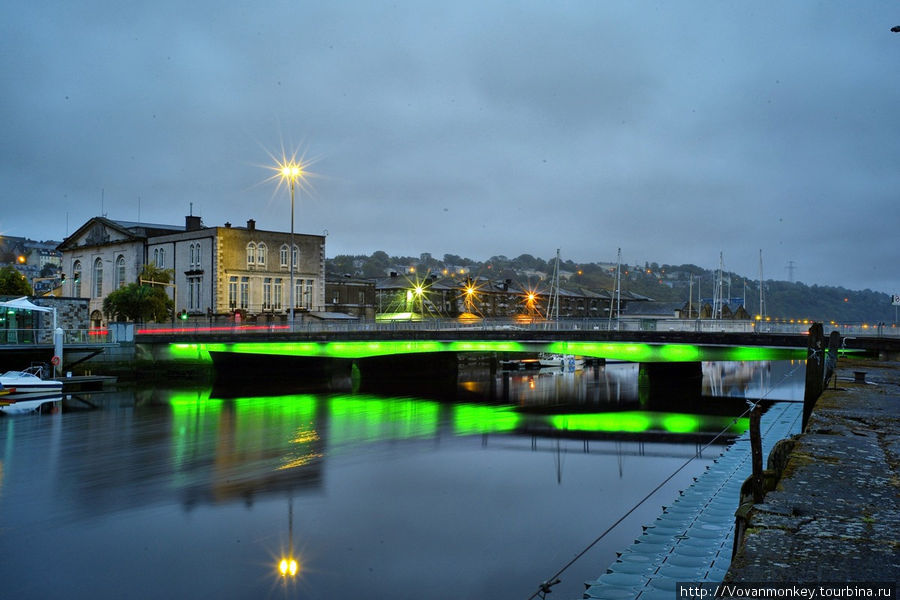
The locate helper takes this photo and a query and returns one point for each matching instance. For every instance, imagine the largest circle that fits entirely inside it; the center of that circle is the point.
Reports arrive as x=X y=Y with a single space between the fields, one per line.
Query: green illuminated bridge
x=633 y=346
x=668 y=359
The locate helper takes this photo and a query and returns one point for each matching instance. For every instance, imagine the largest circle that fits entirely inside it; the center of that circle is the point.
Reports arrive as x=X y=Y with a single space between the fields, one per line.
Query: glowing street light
x=291 y=171
x=287 y=566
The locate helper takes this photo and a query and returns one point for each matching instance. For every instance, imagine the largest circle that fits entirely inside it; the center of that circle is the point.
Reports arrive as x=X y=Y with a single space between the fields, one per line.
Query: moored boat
x=28 y=384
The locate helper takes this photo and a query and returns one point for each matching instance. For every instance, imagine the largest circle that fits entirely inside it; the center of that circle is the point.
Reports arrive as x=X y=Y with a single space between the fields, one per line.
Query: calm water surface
x=481 y=491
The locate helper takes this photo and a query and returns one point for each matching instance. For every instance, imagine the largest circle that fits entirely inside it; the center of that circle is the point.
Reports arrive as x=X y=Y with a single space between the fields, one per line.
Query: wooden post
x=834 y=343
x=756 y=454
x=815 y=370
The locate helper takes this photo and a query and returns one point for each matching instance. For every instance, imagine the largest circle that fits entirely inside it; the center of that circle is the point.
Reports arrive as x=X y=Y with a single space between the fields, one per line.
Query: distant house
x=351 y=296
x=411 y=297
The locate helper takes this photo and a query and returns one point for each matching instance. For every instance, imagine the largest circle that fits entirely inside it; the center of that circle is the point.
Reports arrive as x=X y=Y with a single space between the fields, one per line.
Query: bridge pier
x=277 y=371
x=438 y=367
x=670 y=381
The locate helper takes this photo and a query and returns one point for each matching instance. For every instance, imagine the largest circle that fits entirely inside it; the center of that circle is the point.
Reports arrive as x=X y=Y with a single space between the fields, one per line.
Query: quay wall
x=834 y=511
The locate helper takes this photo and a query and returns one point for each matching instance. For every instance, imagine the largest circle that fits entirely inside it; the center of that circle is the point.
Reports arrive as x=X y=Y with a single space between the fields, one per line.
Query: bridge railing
x=24 y=337
x=625 y=324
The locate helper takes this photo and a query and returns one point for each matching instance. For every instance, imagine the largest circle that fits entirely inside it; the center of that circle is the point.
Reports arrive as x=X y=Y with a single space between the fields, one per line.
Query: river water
x=479 y=491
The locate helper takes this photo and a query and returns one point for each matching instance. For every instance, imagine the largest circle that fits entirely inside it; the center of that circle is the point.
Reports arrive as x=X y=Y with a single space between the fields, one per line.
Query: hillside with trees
x=667 y=283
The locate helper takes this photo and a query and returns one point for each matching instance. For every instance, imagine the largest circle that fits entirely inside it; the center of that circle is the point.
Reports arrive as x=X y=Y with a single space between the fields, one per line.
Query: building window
x=267 y=293
x=76 y=279
x=251 y=254
x=295 y=256
x=284 y=256
x=159 y=257
x=307 y=300
x=261 y=251
x=298 y=293
x=232 y=291
x=195 y=255
x=120 y=272
x=362 y=298
x=98 y=278
x=194 y=288
x=278 y=293
x=245 y=292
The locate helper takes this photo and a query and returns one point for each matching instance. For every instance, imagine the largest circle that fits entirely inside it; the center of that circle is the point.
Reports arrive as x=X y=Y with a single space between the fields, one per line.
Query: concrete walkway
x=834 y=515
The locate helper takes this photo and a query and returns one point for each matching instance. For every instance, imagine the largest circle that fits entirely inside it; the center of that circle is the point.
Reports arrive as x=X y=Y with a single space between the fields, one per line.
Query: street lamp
x=291 y=171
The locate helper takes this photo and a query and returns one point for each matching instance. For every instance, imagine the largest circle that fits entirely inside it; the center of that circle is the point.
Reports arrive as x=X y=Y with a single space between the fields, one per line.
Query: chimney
x=251 y=224
x=192 y=223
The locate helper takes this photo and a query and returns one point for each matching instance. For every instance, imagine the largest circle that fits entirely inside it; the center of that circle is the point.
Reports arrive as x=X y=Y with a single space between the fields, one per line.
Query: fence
x=124 y=332
x=694 y=325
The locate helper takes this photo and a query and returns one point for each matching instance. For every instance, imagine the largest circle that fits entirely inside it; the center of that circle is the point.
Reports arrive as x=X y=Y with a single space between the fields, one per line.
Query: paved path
x=835 y=513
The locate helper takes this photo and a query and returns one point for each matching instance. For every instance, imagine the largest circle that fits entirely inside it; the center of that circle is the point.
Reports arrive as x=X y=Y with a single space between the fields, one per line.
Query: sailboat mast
x=556 y=289
x=617 y=293
x=553 y=296
x=762 y=299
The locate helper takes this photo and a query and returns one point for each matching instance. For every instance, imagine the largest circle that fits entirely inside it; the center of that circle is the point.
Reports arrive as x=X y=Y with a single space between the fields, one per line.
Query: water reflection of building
x=199 y=449
x=729 y=378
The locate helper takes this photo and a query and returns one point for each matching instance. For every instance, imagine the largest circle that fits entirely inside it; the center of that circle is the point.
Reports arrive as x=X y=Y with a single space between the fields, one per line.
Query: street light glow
x=288 y=567
x=292 y=171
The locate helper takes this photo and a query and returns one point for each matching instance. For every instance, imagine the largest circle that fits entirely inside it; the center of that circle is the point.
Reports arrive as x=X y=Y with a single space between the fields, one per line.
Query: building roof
x=652 y=309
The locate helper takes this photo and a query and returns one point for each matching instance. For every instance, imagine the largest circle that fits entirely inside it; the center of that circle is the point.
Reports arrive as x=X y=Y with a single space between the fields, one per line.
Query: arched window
x=191 y=261
x=162 y=258
x=197 y=257
x=76 y=279
x=251 y=254
x=261 y=254
x=284 y=256
x=120 y=272
x=295 y=257
x=98 y=278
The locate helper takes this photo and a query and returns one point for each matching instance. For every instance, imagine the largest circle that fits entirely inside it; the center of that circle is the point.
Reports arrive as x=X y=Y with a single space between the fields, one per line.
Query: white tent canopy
x=24 y=304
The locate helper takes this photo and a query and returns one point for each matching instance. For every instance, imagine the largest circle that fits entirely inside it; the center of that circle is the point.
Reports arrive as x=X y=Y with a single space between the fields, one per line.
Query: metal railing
x=43 y=336
x=492 y=324
x=125 y=332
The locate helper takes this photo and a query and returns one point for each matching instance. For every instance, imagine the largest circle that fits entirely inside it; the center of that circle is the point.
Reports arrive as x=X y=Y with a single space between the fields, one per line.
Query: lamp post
x=291 y=171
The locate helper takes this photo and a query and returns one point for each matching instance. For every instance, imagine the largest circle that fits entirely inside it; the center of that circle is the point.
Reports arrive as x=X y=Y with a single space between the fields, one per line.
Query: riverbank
x=834 y=512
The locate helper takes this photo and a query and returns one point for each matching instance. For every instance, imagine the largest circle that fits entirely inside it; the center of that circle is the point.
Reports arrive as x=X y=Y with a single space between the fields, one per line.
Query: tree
x=141 y=302
x=13 y=283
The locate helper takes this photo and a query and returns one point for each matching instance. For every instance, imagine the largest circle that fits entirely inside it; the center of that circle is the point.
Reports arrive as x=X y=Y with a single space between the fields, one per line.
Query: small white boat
x=563 y=362
x=28 y=384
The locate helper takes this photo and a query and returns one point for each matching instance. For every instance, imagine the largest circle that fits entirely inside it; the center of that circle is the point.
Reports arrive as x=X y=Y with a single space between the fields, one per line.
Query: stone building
x=217 y=270
x=351 y=296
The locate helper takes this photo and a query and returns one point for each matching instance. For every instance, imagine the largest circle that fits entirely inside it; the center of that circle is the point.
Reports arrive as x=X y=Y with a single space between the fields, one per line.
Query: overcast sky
x=674 y=130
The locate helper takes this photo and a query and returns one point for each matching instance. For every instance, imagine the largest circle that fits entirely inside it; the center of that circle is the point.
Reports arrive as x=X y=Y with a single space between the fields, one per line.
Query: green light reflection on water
x=474 y=419
x=642 y=421
x=358 y=419
x=287 y=425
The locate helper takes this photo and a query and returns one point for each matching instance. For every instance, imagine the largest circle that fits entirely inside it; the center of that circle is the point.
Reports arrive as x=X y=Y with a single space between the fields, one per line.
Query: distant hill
x=669 y=283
